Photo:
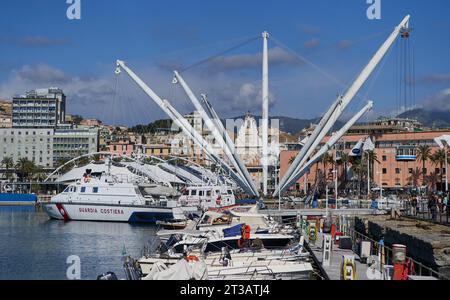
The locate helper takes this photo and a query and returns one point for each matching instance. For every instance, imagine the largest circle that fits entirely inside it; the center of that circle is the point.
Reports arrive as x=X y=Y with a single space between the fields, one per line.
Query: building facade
x=41 y=108
x=5 y=114
x=397 y=165
x=36 y=145
x=69 y=143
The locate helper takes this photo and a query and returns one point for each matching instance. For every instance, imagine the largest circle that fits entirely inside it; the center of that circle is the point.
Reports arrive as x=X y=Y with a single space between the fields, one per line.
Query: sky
x=316 y=49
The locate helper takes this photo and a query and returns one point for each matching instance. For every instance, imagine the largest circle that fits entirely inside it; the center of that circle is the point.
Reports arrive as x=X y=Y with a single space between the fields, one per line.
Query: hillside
x=433 y=119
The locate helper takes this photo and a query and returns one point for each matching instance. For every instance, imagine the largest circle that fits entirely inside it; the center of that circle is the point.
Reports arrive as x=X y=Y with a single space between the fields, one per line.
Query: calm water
x=34 y=247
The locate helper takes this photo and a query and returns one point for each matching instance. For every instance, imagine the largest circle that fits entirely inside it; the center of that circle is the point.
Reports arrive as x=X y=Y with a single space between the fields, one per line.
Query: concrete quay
x=426 y=242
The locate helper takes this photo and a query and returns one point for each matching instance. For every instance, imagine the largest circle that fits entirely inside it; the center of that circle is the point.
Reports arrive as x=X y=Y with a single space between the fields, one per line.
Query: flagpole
x=368 y=175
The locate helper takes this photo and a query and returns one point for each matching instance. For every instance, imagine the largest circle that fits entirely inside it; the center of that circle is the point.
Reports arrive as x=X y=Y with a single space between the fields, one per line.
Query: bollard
x=398 y=260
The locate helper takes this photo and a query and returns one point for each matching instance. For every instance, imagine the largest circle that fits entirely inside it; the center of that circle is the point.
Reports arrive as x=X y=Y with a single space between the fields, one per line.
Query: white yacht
x=208 y=196
x=106 y=198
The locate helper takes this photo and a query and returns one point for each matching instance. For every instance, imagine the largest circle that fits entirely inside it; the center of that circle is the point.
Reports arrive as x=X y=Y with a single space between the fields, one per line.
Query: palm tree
x=414 y=178
x=8 y=163
x=432 y=180
x=327 y=159
x=345 y=160
x=423 y=155
x=25 y=168
x=372 y=156
x=359 y=168
x=438 y=159
x=291 y=160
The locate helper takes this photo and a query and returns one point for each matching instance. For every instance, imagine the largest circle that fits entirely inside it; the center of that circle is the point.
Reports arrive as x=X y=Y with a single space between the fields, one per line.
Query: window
x=83 y=190
x=95 y=190
x=437 y=171
x=384 y=171
x=384 y=158
x=200 y=193
x=208 y=193
x=410 y=170
x=194 y=193
x=397 y=170
x=229 y=192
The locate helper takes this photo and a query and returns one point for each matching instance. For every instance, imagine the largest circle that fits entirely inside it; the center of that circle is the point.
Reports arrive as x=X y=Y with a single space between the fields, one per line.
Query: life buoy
x=191 y=258
x=345 y=275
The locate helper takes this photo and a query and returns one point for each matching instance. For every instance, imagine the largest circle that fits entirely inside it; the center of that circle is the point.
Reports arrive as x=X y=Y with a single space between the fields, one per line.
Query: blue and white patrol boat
x=108 y=199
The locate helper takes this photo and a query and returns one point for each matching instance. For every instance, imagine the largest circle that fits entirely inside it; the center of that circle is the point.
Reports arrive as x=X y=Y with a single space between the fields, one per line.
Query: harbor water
x=33 y=247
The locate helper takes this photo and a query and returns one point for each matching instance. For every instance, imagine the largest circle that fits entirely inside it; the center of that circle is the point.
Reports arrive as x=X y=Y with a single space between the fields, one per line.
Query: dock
x=333 y=271
x=321 y=212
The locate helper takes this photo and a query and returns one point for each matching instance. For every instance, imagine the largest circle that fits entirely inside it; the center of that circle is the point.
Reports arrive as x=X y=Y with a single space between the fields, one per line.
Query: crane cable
x=220 y=54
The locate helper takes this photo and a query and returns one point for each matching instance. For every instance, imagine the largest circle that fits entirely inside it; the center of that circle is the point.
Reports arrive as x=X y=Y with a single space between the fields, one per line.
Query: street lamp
x=277 y=171
x=335 y=174
x=381 y=183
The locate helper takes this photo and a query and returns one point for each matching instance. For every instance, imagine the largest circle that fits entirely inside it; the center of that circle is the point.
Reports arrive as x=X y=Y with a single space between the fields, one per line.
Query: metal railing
x=387 y=253
x=440 y=215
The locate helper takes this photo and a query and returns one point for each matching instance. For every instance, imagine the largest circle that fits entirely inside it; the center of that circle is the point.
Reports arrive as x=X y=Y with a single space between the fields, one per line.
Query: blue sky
x=39 y=46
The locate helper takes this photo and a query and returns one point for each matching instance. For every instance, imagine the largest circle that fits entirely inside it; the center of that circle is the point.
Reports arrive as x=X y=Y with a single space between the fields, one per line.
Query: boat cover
x=182 y=270
x=233 y=231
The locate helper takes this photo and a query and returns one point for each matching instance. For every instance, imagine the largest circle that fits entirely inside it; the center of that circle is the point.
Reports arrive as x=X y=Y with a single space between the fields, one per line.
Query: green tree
x=345 y=160
x=25 y=168
x=8 y=163
x=373 y=157
x=438 y=158
x=423 y=155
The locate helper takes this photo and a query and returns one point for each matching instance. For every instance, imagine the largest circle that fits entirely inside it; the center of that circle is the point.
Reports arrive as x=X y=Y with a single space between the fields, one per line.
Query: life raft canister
x=245 y=230
x=192 y=258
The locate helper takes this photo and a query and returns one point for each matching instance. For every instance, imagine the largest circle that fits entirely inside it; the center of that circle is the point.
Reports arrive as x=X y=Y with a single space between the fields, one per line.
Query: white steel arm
x=229 y=151
x=329 y=145
x=346 y=99
x=181 y=122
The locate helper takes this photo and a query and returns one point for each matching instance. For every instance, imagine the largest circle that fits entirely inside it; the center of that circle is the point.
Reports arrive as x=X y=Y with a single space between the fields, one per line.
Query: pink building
x=122 y=148
x=398 y=166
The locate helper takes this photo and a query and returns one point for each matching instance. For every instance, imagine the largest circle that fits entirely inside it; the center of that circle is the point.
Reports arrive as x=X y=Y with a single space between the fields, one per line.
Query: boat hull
x=216 y=245
x=111 y=213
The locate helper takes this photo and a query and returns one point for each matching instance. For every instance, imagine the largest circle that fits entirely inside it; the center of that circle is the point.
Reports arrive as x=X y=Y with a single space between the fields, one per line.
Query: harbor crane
x=221 y=137
x=336 y=110
x=329 y=145
x=180 y=121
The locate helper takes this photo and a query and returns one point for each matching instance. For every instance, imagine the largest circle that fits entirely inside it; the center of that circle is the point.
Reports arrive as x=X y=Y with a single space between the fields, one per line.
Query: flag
x=368 y=145
x=357 y=150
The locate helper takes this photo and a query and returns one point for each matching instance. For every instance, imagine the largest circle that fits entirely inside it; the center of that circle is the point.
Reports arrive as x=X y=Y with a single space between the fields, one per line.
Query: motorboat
x=208 y=196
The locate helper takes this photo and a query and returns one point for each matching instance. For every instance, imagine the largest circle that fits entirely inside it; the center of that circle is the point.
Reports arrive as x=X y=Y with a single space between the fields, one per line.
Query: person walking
x=433 y=207
x=414 y=206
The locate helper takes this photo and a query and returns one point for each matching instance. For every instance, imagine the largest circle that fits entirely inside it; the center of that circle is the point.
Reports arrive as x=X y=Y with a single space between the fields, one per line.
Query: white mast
x=182 y=123
x=368 y=175
x=228 y=149
x=265 y=112
x=344 y=101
